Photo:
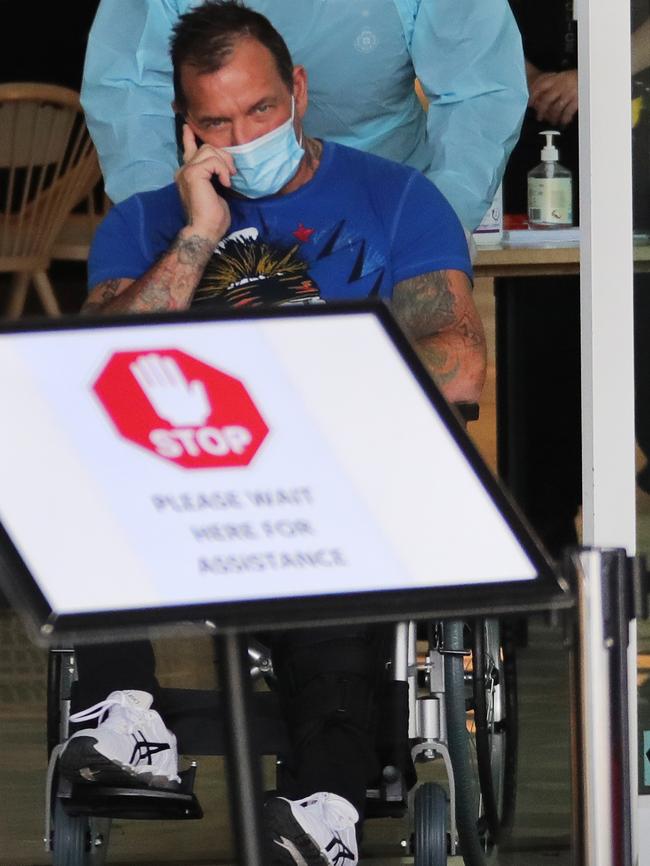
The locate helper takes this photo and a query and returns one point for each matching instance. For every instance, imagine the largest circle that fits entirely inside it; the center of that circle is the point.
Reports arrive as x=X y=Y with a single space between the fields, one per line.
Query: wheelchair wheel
x=483 y=759
x=78 y=840
x=494 y=694
x=430 y=810
x=75 y=840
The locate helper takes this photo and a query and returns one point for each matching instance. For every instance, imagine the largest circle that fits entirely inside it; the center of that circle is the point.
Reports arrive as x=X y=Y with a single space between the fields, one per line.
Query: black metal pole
x=242 y=761
x=615 y=573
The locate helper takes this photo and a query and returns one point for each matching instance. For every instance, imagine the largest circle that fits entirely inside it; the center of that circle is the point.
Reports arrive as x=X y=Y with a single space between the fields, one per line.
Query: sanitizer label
x=549 y=200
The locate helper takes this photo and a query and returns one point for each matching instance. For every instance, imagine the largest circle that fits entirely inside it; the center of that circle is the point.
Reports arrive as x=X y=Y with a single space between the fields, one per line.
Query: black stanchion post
x=617 y=613
x=242 y=760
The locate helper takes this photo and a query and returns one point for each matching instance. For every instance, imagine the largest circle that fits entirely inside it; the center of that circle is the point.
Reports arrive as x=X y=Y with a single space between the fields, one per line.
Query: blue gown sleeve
x=469 y=61
x=127 y=92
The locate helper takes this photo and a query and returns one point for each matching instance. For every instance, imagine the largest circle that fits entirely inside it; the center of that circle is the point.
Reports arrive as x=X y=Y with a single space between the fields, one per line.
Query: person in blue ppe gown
x=538 y=318
x=362 y=58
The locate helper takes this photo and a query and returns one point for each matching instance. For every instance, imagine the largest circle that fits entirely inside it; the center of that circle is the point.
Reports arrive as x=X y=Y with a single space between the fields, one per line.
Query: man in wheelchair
x=260 y=213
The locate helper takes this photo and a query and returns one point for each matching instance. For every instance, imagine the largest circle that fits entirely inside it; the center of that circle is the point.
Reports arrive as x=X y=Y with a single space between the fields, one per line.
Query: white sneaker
x=316 y=831
x=129 y=745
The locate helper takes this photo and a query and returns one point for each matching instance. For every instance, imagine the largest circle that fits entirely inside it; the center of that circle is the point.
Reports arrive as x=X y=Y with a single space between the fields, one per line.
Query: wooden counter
x=521 y=261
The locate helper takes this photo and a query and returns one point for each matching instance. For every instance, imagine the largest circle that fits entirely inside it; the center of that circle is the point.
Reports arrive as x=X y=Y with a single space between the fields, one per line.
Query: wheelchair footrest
x=134 y=803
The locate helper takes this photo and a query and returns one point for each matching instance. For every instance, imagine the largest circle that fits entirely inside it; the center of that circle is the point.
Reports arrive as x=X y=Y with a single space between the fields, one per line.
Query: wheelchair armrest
x=467 y=411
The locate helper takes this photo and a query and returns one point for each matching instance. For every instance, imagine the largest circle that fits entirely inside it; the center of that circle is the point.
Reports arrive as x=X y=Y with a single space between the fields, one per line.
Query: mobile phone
x=179 y=122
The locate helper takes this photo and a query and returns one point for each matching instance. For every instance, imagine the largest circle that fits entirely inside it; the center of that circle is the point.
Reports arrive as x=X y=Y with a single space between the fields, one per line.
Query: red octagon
x=180 y=408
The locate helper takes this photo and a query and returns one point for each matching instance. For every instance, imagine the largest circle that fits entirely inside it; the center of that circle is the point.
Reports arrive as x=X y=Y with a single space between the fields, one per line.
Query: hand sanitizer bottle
x=549 y=190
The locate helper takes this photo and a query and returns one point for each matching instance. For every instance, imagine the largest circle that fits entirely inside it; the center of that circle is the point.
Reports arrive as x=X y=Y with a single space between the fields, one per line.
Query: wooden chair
x=73 y=241
x=48 y=164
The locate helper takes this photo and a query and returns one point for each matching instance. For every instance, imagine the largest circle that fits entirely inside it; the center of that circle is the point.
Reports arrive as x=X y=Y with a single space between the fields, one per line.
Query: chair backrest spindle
x=48 y=165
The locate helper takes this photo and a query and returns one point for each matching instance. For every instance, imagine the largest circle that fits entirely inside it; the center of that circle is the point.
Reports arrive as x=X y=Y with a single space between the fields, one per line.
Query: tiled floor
x=542 y=828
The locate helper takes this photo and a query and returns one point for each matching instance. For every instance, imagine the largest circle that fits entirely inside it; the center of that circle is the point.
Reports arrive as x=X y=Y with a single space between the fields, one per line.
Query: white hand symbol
x=181 y=403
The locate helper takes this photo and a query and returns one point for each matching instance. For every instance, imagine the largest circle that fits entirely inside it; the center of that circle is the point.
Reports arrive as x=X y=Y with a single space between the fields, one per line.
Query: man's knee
x=330 y=682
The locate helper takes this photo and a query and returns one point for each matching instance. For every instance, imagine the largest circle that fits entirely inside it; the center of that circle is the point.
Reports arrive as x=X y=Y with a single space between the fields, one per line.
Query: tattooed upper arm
x=438 y=313
x=431 y=302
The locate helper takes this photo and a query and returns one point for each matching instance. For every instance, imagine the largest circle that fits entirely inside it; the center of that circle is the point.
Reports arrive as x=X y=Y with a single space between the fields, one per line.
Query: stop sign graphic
x=180 y=408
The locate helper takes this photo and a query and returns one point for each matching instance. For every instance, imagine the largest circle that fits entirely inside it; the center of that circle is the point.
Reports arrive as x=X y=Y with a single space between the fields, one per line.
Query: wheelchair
x=451 y=696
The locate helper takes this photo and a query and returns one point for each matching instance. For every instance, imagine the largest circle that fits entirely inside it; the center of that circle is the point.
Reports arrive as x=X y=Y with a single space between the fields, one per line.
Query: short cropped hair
x=205 y=37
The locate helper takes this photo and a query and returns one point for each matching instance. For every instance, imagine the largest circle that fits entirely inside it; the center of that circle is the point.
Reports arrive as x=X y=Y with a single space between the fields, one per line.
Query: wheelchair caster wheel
x=430 y=810
x=79 y=840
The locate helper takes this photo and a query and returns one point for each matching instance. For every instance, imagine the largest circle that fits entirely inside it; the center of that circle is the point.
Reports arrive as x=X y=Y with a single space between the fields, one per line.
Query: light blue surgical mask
x=267 y=163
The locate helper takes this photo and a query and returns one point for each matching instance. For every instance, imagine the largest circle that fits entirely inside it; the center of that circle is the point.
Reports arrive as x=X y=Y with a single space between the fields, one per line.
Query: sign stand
x=242 y=760
x=265 y=481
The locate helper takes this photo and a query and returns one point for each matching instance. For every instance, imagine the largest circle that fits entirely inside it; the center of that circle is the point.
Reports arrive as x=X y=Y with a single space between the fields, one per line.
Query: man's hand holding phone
x=207 y=212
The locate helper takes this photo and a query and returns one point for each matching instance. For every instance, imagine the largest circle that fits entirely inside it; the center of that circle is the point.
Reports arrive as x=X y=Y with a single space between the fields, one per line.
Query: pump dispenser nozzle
x=549 y=189
x=549 y=151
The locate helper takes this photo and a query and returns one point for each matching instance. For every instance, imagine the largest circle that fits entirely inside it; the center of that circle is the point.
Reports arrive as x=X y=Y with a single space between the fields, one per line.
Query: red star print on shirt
x=303 y=234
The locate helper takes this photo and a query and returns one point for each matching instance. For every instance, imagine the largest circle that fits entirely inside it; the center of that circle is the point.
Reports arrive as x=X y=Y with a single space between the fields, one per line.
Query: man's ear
x=300 y=90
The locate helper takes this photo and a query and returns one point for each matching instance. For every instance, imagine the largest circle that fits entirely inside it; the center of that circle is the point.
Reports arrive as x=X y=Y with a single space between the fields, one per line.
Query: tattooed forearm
x=168 y=285
x=171 y=283
x=425 y=304
x=193 y=250
x=149 y=298
x=102 y=294
x=153 y=298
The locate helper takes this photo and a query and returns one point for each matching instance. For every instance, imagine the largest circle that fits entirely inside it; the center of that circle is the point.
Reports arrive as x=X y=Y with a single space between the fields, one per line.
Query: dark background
x=44 y=41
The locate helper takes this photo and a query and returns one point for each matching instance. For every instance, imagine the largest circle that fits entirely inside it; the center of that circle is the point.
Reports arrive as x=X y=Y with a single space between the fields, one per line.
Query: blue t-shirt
x=358 y=227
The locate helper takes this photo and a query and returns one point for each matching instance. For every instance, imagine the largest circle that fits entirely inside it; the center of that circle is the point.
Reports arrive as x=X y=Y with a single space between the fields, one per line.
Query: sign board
x=255 y=469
